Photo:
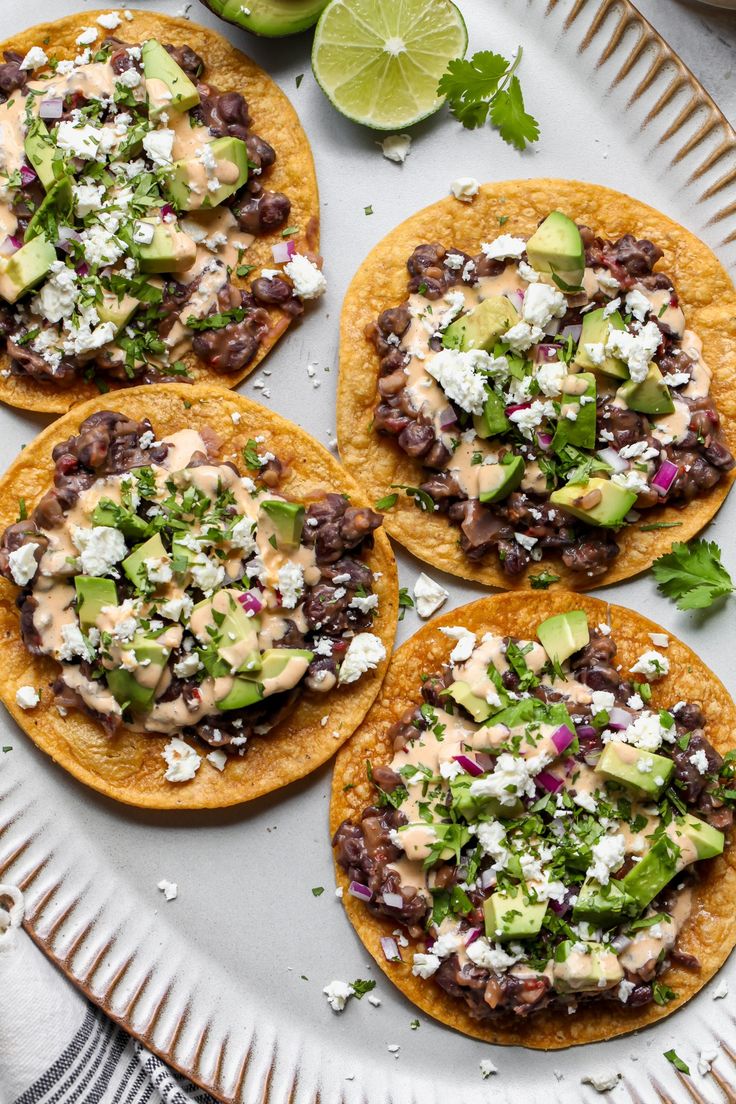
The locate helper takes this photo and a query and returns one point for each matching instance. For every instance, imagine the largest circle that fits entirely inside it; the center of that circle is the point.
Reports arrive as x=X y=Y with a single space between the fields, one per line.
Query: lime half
x=379 y=61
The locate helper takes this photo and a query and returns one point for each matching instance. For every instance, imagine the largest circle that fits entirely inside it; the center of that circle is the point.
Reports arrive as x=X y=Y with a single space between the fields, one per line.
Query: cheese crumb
x=182 y=761
x=465 y=188
x=34 y=59
x=308 y=280
x=338 y=993
x=429 y=596
x=27 y=697
x=169 y=889
x=396 y=147
x=364 y=653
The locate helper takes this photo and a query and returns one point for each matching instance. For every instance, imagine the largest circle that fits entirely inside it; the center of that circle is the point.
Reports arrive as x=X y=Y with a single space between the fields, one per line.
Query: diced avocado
x=471 y=806
x=478 y=709
x=493 y=420
x=57 y=204
x=482 y=326
x=274 y=661
x=187 y=176
x=652 y=873
x=597 y=967
x=129 y=524
x=236 y=636
x=171 y=250
x=596 y=330
x=287 y=519
x=581 y=431
x=271 y=18
x=556 y=247
x=508 y=915
x=118 y=311
x=599 y=501
x=497 y=481
x=601 y=906
x=619 y=763
x=459 y=839
x=650 y=396
x=92 y=595
x=708 y=841
x=128 y=692
x=41 y=154
x=151 y=549
x=242 y=693
x=158 y=64
x=149 y=652
x=564 y=634
x=25 y=268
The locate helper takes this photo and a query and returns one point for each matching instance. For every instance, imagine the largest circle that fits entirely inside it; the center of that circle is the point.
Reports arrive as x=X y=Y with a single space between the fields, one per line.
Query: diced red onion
x=549 y=782
x=283 y=251
x=591 y=757
x=469 y=765
x=561 y=907
x=614 y=459
x=9 y=246
x=167 y=211
x=27 y=175
x=518 y=295
x=82 y=269
x=572 y=331
x=544 y=440
x=665 y=477
x=487 y=762
x=488 y=878
x=543 y=354
x=393 y=900
x=562 y=738
x=51 y=108
x=390 y=949
x=472 y=936
x=518 y=406
x=586 y=732
x=552 y=327
x=249 y=602
x=363 y=893
x=620 y=943
x=448 y=418
x=618 y=718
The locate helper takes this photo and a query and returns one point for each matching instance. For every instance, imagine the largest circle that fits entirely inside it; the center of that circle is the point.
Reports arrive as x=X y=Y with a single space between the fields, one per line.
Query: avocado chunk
x=619 y=762
x=564 y=634
x=57 y=205
x=497 y=481
x=127 y=691
x=596 y=331
x=602 y=906
x=222 y=621
x=599 y=501
x=130 y=525
x=158 y=64
x=652 y=873
x=119 y=311
x=471 y=806
x=137 y=688
x=270 y=18
x=508 y=915
x=42 y=154
x=581 y=431
x=133 y=564
x=287 y=519
x=242 y=693
x=707 y=840
x=275 y=663
x=170 y=250
x=650 y=396
x=493 y=420
x=452 y=849
x=92 y=595
x=188 y=185
x=482 y=326
x=556 y=247
x=576 y=971
x=461 y=693
x=25 y=268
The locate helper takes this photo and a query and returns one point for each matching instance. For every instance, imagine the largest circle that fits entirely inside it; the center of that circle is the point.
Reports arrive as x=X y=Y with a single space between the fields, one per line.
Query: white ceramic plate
x=226 y=981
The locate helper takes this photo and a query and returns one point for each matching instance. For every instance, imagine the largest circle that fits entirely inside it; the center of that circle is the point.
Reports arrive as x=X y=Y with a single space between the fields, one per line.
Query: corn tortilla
x=274 y=119
x=129 y=766
x=705 y=291
x=709 y=933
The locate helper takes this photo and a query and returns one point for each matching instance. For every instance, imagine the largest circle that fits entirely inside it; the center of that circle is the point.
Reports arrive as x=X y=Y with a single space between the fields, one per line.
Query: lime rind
x=379 y=62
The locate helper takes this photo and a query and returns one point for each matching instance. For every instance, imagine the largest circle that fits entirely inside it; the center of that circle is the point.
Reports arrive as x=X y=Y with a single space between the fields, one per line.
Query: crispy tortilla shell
x=708 y=298
x=709 y=933
x=274 y=119
x=129 y=766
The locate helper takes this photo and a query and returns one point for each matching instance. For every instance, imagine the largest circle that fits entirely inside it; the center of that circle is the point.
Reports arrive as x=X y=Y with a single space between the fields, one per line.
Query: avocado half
x=270 y=18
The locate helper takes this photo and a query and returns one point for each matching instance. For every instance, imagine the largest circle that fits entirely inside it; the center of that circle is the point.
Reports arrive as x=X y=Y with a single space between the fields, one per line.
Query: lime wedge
x=379 y=61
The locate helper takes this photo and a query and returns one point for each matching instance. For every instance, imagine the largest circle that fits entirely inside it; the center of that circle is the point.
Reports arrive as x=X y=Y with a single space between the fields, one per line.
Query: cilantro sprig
x=486 y=86
x=693 y=575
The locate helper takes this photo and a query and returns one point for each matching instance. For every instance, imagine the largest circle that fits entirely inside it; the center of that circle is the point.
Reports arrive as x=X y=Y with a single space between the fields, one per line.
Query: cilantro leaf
x=405 y=602
x=676 y=1061
x=515 y=125
x=693 y=575
x=361 y=987
x=216 y=321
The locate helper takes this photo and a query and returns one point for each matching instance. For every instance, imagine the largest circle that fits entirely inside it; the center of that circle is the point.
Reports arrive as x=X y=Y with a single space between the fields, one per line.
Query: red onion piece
x=488 y=878
x=561 y=907
x=586 y=732
x=280 y=252
x=51 y=108
x=552 y=327
x=469 y=765
x=518 y=406
x=487 y=762
x=472 y=936
x=562 y=738
x=665 y=477
x=249 y=602
x=543 y=354
x=82 y=269
x=549 y=782
x=390 y=949
x=614 y=459
x=620 y=943
x=167 y=211
x=393 y=900
x=618 y=718
x=448 y=418
x=27 y=175
x=572 y=331
x=8 y=246
x=544 y=440
x=363 y=893
x=518 y=295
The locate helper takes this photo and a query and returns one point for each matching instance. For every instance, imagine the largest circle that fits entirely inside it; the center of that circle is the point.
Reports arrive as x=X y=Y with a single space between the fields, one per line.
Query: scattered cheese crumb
x=396 y=147
x=464 y=188
x=169 y=889
x=428 y=596
x=487 y=1068
x=27 y=697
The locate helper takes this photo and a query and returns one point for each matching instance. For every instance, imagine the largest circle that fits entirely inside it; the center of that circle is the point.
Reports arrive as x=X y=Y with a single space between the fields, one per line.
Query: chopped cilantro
x=387 y=502
x=216 y=321
x=543 y=580
x=360 y=987
x=676 y=1061
x=317 y=891
x=405 y=602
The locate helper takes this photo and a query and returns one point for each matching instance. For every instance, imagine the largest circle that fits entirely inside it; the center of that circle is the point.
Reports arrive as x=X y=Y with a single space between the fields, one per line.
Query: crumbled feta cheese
x=207 y=574
x=182 y=761
x=464 y=188
x=109 y=20
x=338 y=993
x=461 y=376
x=218 y=759
x=602 y=701
x=22 y=563
x=100 y=547
x=596 y=352
x=187 y=666
x=88 y=198
x=428 y=596
x=395 y=147
x=169 y=889
x=291 y=584
x=586 y=801
x=364 y=604
x=454 y=261
x=652 y=665
x=541 y=304
x=364 y=653
x=529 y=417
x=424 y=965
x=636 y=349
x=492 y=838
x=491 y=956
x=131 y=78
x=505 y=245
x=602 y=1082
x=79 y=141
x=521 y=336
x=631 y=481
x=27 y=697
x=660 y=640
x=645 y=764
x=604 y=629
x=611 y=306
x=638 y=305
x=34 y=59
x=465 y=642
x=87 y=36
x=635 y=702
x=159 y=144
x=511 y=778
x=720 y=991
x=450 y=769
x=625 y=990
x=608 y=854
x=73 y=644
x=525 y=541
x=527 y=273
x=158 y=569
x=58 y=296
x=699 y=760
x=307 y=278
x=706 y=1058
x=550 y=376
x=645 y=732
x=487 y=1068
